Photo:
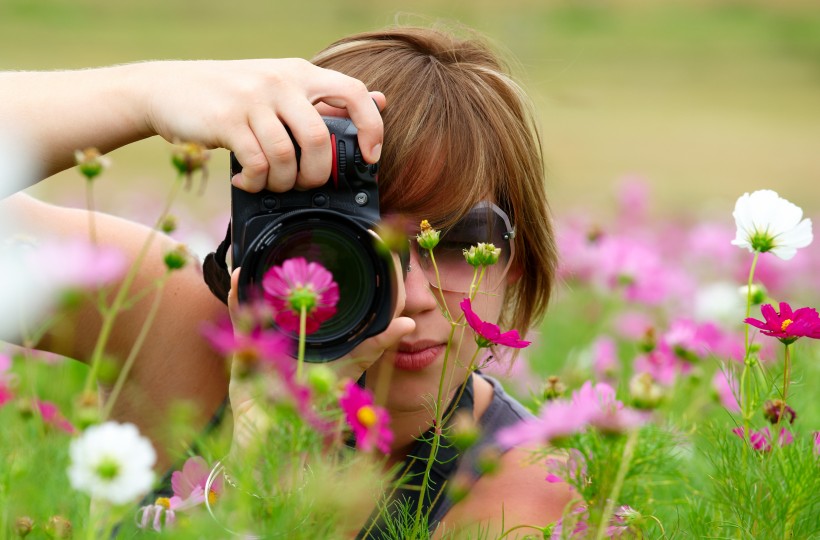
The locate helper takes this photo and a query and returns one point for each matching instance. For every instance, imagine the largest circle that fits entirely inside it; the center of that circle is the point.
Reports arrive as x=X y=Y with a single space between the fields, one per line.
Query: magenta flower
x=598 y=406
x=5 y=380
x=762 y=440
x=488 y=334
x=370 y=423
x=787 y=325
x=573 y=469
x=189 y=485
x=817 y=442
x=51 y=416
x=257 y=347
x=299 y=284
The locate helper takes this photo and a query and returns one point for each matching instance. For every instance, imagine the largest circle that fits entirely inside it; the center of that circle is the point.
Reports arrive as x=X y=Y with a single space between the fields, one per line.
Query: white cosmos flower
x=113 y=462
x=766 y=222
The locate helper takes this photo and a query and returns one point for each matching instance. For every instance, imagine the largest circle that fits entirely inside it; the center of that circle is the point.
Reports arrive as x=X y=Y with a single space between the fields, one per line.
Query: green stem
x=437 y=430
x=463 y=385
x=138 y=343
x=302 y=332
x=443 y=304
x=626 y=457
x=746 y=393
x=508 y=531
x=89 y=203
x=110 y=314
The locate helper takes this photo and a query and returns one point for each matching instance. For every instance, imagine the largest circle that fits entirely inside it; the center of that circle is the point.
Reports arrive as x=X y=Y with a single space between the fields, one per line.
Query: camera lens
x=346 y=249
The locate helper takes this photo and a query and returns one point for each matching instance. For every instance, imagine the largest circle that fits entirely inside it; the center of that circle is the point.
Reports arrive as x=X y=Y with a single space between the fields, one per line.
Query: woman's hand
x=246 y=106
x=241 y=105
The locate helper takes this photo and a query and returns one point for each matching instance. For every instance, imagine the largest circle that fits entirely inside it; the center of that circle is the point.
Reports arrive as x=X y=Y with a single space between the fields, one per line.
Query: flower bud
x=489 y=460
x=189 y=157
x=645 y=393
x=458 y=488
x=758 y=293
x=465 y=432
x=23 y=526
x=58 y=528
x=90 y=162
x=177 y=258
x=87 y=410
x=428 y=238
x=169 y=224
x=553 y=388
x=774 y=408
x=321 y=379
x=482 y=254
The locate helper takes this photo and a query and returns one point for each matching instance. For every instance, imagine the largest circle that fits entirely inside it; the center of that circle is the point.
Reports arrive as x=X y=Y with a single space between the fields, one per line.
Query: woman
x=460 y=136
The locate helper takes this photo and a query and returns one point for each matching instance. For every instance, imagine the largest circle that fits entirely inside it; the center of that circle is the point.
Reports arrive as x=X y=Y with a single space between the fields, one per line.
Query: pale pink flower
x=634 y=325
x=189 y=485
x=76 y=264
x=578 y=245
x=156 y=515
x=256 y=347
x=571 y=469
x=691 y=340
x=296 y=284
x=6 y=394
x=726 y=391
x=633 y=199
x=661 y=363
x=605 y=357
x=600 y=408
x=370 y=423
x=580 y=529
x=816 y=436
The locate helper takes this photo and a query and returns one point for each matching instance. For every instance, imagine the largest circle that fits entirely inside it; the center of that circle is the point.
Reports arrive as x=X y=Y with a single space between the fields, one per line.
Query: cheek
x=486 y=306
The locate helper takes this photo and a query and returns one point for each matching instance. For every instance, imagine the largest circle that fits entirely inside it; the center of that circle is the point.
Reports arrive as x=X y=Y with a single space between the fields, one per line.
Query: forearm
x=55 y=113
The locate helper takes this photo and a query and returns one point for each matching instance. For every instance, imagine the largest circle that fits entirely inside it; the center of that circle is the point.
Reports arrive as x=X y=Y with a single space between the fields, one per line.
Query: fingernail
x=376 y=152
x=236 y=181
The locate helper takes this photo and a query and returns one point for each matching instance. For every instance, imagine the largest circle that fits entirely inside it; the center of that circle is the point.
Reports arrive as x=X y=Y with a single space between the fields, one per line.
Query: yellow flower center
x=785 y=324
x=212 y=497
x=366 y=416
x=165 y=502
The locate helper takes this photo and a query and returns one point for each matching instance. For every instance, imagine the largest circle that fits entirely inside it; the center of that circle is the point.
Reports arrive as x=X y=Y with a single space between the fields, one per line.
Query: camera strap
x=215 y=269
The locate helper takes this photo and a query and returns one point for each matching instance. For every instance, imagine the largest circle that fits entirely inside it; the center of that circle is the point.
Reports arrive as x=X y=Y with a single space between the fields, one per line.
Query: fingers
x=233 y=296
x=313 y=138
x=278 y=148
x=370 y=350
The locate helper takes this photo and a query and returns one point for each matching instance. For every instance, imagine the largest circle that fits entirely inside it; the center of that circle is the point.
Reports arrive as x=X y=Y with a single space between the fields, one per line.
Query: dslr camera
x=330 y=225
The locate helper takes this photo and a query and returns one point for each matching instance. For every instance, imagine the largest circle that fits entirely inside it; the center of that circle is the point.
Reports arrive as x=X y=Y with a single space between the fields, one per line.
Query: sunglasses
x=485 y=222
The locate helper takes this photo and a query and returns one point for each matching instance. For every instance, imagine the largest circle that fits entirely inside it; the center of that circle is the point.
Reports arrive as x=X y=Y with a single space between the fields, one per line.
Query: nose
x=417 y=288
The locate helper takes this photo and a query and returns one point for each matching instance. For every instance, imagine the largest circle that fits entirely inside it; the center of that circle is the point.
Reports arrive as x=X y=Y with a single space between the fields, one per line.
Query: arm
x=243 y=105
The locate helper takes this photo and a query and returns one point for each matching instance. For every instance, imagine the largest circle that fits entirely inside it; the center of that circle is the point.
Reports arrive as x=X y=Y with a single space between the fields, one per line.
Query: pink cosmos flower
x=580 y=529
x=153 y=514
x=258 y=346
x=488 y=333
x=817 y=442
x=189 y=485
x=762 y=440
x=691 y=340
x=600 y=408
x=787 y=325
x=296 y=284
x=51 y=416
x=572 y=469
x=662 y=363
x=370 y=423
x=605 y=357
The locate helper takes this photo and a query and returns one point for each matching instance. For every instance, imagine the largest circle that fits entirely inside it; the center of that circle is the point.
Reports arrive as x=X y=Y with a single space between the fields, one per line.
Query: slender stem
x=443 y=304
x=463 y=385
x=110 y=314
x=138 y=343
x=745 y=393
x=626 y=457
x=786 y=379
x=89 y=203
x=302 y=333
x=508 y=531
x=437 y=430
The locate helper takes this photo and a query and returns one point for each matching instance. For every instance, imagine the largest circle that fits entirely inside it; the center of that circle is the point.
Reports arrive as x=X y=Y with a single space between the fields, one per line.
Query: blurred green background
x=705 y=99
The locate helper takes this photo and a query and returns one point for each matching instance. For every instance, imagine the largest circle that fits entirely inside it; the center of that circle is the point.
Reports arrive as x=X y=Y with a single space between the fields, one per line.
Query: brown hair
x=457 y=130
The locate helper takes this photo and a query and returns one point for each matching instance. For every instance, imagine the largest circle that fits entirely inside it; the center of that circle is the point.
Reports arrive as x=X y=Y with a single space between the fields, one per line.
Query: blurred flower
x=719 y=302
x=787 y=325
x=370 y=423
x=644 y=392
x=622 y=521
x=51 y=416
x=153 y=514
x=90 y=162
x=488 y=334
x=597 y=404
x=75 y=264
x=113 y=462
x=661 y=363
x=766 y=222
x=553 y=388
x=577 y=521
x=189 y=157
x=762 y=440
x=23 y=526
x=5 y=380
x=726 y=391
x=428 y=237
x=251 y=349
x=189 y=485
x=692 y=341
x=299 y=284
x=816 y=436
x=632 y=193
x=605 y=362
x=58 y=528
x=177 y=258
x=773 y=409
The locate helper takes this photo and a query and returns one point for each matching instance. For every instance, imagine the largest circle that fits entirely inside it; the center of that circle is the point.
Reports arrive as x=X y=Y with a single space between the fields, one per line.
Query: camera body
x=330 y=225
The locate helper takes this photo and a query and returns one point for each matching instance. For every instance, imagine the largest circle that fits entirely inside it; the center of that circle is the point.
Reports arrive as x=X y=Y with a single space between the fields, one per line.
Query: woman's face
x=412 y=372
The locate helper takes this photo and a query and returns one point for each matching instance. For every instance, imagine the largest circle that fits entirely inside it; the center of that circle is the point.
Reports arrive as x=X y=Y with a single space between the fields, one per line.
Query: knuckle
x=282 y=151
x=316 y=136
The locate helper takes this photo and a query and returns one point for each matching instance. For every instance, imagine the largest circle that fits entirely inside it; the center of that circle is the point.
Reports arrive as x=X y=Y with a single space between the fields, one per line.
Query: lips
x=417 y=356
